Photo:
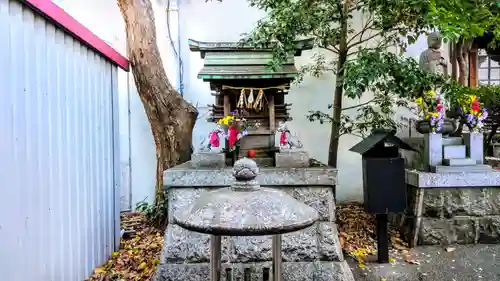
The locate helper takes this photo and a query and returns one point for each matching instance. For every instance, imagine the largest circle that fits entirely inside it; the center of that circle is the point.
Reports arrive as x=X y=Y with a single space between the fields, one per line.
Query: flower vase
x=474 y=141
x=433 y=150
x=424 y=127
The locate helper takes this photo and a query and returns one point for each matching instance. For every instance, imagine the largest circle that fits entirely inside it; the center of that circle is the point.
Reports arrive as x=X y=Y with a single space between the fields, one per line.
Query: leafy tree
x=332 y=26
x=460 y=21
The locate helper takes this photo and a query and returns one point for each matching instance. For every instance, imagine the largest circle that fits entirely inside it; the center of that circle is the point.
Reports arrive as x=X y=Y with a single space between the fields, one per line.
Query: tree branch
x=332 y=49
x=364 y=40
x=358 y=105
x=365 y=26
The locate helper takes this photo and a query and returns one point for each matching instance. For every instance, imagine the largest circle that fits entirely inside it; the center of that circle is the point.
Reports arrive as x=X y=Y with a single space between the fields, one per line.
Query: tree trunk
x=171 y=117
x=461 y=62
x=339 y=89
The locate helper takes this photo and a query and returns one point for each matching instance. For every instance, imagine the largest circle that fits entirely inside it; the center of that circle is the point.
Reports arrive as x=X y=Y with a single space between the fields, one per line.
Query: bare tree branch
x=364 y=40
x=358 y=105
x=365 y=26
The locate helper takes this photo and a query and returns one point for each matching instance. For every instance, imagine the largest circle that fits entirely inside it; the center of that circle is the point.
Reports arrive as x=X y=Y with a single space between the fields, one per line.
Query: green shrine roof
x=232 y=60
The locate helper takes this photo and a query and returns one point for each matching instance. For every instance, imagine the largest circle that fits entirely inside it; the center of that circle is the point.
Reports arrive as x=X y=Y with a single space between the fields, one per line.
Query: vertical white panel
x=59 y=171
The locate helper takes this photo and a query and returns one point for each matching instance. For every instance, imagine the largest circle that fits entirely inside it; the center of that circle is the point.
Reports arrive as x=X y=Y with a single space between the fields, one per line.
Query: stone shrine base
x=449 y=208
x=310 y=254
x=292 y=271
x=288 y=158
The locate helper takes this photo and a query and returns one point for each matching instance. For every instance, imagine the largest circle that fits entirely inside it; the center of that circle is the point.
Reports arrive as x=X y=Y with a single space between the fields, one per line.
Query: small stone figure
x=213 y=141
x=432 y=60
x=286 y=138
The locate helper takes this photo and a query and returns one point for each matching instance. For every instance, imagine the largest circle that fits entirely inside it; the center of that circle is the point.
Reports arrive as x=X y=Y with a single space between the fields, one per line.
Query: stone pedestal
x=450 y=208
x=310 y=254
x=292 y=158
x=208 y=159
x=433 y=150
x=475 y=144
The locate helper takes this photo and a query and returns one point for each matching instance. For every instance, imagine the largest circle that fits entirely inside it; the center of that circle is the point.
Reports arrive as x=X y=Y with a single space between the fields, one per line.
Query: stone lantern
x=246 y=209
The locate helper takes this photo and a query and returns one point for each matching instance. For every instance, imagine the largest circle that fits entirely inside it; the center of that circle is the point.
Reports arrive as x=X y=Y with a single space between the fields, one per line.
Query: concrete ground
x=459 y=263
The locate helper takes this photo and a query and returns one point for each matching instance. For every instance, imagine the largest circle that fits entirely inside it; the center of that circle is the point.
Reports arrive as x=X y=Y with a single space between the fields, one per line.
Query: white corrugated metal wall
x=58 y=151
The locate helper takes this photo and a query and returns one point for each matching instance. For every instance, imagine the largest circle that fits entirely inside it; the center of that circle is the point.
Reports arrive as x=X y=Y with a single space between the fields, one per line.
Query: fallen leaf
x=410 y=260
x=357 y=230
x=450 y=249
x=342 y=242
x=138 y=256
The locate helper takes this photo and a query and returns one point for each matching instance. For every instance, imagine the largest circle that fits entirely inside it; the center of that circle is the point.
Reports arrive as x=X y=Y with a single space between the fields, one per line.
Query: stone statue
x=286 y=138
x=431 y=59
x=213 y=141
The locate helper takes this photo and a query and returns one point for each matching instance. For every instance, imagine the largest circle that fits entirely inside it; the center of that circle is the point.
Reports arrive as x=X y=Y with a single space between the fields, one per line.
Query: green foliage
x=156 y=214
x=360 y=58
x=392 y=79
x=331 y=25
x=464 y=18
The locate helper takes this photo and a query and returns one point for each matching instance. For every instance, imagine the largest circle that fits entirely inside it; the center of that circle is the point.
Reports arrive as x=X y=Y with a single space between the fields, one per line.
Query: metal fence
x=58 y=150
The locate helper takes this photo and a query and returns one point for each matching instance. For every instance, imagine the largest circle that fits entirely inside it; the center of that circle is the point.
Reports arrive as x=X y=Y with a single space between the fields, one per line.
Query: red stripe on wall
x=57 y=15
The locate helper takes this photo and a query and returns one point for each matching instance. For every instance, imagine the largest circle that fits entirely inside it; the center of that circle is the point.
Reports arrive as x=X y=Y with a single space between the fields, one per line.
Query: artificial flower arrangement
x=473 y=112
x=432 y=109
x=235 y=127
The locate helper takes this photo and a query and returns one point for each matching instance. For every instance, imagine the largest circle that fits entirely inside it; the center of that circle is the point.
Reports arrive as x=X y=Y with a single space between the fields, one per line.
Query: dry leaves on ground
x=357 y=232
x=138 y=255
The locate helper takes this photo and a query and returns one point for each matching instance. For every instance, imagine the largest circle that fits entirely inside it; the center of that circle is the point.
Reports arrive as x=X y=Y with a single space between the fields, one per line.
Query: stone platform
x=448 y=208
x=311 y=254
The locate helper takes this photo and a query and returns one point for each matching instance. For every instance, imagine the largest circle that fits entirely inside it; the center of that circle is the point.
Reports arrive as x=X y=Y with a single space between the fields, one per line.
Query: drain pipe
x=176 y=49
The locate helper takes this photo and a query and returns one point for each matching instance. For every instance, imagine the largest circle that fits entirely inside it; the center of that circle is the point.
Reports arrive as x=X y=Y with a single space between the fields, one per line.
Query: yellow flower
x=419 y=100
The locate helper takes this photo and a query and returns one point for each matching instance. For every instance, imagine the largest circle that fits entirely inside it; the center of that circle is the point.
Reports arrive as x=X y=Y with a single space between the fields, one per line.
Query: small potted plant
x=432 y=111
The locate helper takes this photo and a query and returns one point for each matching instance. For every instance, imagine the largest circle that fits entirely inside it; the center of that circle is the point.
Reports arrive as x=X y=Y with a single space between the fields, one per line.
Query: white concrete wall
x=138 y=160
x=213 y=21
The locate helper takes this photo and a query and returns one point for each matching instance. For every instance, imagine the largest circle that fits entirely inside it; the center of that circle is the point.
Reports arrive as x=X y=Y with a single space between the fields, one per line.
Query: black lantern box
x=384 y=186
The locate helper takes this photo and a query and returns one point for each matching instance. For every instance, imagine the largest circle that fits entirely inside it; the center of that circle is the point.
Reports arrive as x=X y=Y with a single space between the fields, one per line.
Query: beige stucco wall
x=215 y=21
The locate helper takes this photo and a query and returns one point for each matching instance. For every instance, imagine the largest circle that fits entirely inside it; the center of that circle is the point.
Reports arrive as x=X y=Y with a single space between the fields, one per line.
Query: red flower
x=476 y=106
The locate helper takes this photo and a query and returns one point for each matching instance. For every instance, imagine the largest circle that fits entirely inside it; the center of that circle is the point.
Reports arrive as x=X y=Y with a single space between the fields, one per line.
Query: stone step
x=459 y=162
x=462 y=169
x=454 y=151
x=453 y=141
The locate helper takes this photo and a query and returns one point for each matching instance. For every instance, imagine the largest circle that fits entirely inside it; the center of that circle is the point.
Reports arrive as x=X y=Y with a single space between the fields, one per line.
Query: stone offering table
x=313 y=253
x=448 y=208
x=246 y=209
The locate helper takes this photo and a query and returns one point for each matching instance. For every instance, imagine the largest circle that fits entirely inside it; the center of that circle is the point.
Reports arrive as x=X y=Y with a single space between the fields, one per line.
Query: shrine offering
x=235 y=127
x=473 y=112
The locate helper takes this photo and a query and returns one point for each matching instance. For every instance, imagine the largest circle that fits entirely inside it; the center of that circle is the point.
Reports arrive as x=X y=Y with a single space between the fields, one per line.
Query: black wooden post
x=382 y=238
